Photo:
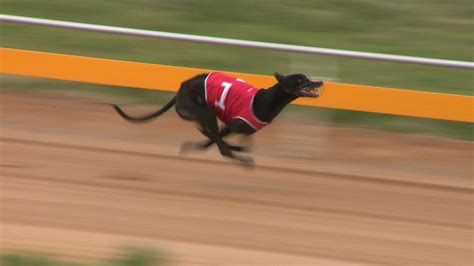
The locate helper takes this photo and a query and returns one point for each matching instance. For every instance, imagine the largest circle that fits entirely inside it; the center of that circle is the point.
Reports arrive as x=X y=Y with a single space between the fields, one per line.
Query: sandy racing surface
x=78 y=182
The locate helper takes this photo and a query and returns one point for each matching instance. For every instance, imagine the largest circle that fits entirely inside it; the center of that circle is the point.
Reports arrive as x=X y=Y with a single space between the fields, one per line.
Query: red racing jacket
x=231 y=98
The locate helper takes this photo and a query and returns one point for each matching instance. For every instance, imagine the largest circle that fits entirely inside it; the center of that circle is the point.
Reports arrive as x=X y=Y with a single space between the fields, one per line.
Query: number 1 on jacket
x=220 y=103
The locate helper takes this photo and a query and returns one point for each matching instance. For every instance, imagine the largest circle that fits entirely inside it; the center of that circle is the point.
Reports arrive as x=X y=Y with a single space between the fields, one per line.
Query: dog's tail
x=146 y=117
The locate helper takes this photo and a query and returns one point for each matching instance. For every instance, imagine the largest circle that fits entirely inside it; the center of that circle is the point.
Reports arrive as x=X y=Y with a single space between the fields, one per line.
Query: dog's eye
x=300 y=80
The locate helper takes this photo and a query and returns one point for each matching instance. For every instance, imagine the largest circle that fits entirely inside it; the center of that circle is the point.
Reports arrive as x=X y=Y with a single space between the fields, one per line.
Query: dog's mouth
x=312 y=89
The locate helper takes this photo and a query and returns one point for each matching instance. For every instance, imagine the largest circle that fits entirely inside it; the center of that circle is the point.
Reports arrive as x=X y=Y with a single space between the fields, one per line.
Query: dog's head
x=300 y=85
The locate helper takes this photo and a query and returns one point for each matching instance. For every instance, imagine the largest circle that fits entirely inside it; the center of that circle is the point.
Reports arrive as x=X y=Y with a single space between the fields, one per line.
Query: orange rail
x=161 y=77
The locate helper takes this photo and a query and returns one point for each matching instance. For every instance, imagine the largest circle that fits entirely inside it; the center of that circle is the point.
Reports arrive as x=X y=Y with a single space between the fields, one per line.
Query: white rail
x=235 y=42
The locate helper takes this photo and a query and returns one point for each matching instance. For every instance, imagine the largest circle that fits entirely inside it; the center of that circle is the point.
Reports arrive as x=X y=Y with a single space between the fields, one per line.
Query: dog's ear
x=278 y=76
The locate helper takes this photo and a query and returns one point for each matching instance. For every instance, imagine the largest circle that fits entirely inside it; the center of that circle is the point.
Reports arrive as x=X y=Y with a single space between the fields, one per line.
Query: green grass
x=129 y=257
x=426 y=28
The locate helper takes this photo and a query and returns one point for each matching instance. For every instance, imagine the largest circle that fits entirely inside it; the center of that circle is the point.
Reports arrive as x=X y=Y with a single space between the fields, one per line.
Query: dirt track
x=78 y=182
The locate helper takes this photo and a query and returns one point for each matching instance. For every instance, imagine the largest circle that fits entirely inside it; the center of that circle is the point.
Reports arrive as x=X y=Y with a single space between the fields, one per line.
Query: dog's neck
x=268 y=103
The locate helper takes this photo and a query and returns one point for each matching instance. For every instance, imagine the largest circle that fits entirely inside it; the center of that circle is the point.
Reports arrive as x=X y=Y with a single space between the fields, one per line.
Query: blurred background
x=331 y=187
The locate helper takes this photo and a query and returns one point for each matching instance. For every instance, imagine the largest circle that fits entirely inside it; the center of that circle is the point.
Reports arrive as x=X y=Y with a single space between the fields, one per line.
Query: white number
x=220 y=103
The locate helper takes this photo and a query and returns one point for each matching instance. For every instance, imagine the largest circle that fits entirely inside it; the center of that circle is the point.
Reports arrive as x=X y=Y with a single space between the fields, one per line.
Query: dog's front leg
x=239 y=148
x=226 y=151
x=208 y=122
x=223 y=133
x=235 y=126
x=191 y=146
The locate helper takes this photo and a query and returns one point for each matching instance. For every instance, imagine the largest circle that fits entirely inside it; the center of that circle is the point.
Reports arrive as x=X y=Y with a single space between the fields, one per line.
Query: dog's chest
x=231 y=98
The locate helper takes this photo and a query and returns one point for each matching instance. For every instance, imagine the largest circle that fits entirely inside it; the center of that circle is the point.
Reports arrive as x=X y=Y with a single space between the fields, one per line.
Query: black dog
x=243 y=108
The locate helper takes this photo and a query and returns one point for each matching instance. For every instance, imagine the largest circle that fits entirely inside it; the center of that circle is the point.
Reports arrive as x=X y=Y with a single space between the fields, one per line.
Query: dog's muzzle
x=312 y=90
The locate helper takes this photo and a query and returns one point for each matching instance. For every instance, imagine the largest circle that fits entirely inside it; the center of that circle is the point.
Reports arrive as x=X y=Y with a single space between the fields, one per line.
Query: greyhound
x=243 y=108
